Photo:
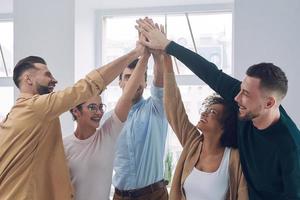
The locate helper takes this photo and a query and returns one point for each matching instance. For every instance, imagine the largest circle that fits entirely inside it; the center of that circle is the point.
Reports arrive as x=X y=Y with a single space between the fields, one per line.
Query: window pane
x=7 y=100
x=212 y=33
x=6 y=44
x=120 y=36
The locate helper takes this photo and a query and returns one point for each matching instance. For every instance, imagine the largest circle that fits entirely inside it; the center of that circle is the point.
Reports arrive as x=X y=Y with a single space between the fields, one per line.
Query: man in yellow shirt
x=32 y=159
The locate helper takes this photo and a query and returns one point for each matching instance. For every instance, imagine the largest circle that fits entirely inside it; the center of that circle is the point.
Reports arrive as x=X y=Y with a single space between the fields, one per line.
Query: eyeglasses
x=94 y=108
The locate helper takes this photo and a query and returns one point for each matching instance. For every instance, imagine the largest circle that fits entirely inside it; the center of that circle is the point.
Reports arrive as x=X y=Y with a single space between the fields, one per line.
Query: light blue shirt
x=141 y=145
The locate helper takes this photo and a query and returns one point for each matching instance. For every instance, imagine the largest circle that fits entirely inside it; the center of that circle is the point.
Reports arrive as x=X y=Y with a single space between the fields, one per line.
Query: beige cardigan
x=191 y=140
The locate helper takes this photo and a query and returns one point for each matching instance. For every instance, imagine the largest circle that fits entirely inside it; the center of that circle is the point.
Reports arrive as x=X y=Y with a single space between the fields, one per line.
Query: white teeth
x=203 y=120
x=241 y=107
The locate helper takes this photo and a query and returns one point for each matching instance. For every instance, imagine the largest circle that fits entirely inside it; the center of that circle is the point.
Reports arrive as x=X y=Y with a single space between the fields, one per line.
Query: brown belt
x=141 y=191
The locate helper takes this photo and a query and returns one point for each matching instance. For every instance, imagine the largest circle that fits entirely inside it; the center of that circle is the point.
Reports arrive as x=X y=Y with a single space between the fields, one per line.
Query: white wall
x=84 y=39
x=46 y=28
x=269 y=31
x=6 y=6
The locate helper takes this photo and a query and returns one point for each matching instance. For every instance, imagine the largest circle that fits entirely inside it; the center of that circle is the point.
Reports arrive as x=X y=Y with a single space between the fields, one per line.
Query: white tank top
x=208 y=186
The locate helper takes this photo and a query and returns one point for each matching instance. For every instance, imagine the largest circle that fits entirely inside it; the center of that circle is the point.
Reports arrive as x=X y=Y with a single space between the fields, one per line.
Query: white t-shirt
x=91 y=160
x=209 y=186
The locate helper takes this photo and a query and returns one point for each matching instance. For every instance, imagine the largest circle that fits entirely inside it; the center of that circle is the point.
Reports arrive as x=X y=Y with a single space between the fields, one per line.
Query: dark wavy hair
x=79 y=107
x=228 y=120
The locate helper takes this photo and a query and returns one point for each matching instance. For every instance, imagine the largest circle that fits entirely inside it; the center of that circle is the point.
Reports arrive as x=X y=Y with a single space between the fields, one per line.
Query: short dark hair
x=132 y=65
x=79 y=107
x=228 y=120
x=271 y=77
x=25 y=64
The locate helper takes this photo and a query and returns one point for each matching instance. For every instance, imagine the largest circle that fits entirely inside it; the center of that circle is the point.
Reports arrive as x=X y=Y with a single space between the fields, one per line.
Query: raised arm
x=158 y=62
x=222 y=83
x=173 y=104
x=124 y=103
x=158 y=80
x=52 y=105
x=111 y=70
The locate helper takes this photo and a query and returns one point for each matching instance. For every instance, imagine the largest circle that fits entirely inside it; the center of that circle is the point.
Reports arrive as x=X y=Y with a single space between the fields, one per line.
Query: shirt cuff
x=170 y=47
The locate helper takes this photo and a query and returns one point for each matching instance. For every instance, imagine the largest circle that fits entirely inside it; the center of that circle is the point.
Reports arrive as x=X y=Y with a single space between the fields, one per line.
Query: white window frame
x=199 y=8
x=7 y=81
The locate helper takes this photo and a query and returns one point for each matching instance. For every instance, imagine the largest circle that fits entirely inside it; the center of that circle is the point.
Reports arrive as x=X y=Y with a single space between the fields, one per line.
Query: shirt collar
x=25 y=96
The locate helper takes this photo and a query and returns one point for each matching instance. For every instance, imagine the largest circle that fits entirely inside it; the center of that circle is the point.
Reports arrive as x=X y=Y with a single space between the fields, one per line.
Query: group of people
x=245 y=146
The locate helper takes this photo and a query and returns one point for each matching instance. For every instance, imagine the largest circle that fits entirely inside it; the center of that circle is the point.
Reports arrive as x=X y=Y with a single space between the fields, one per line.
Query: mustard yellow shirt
x=32 y=159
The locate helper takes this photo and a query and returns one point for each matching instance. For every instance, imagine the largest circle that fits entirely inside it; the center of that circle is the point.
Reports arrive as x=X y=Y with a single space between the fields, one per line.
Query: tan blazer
x=191 y=141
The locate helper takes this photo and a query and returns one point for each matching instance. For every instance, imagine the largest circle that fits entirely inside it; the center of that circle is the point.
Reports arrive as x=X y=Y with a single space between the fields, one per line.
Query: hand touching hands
x=154 y=36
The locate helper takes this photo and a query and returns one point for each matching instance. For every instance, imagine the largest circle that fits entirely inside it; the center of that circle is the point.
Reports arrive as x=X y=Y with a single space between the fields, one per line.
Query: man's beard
x=248 y=117
x=41 y=89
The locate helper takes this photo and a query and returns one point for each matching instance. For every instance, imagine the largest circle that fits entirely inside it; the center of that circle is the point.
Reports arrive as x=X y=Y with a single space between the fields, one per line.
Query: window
x=7 y=99
x=6 y=66
x=6 y=48
x=211 y=31
x=208 y=32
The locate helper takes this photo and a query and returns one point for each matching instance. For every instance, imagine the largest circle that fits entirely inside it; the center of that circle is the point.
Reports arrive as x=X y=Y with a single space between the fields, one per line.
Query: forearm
x=173 y=104
x=168 y=66
x=136 y=77
x=111 y=70
x=158 y=80
x=222 y=83
x=125 y=101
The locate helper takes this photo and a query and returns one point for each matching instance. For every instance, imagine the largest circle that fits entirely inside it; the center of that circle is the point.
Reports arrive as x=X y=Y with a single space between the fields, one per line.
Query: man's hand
x=157 y=53
x=145 y=50
x=140 y=49
x=155 y=38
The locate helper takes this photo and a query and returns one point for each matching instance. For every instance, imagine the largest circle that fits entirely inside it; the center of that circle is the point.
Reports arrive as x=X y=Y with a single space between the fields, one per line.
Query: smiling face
x=251 y=99
x=90 y=113
x=42 y=79
x=210 y=119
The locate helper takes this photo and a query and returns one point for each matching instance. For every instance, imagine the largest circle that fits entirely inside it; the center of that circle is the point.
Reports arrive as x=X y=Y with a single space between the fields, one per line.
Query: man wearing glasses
x=90 y=150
